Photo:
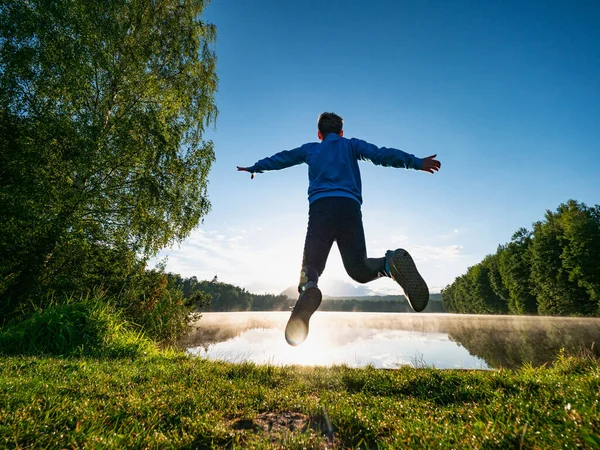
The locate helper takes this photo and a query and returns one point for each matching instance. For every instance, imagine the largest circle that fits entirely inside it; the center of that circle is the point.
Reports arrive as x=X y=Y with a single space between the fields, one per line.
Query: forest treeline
x=215 y=296
x=552 y=269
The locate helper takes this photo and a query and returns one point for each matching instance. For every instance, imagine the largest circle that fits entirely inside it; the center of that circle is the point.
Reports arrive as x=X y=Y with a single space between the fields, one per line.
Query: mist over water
x=389 y=340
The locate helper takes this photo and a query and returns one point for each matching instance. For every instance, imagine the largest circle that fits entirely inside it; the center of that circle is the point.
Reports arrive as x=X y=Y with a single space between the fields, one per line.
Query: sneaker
x=296 y=330
x=404 y=272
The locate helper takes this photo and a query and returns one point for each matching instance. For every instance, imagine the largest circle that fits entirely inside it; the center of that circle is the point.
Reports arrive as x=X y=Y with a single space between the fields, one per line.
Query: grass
x=170 y=400
x=79 y=376
x=91 y=327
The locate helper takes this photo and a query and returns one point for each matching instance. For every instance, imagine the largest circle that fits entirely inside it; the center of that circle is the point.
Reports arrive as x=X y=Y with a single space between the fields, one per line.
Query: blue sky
x=507 y=94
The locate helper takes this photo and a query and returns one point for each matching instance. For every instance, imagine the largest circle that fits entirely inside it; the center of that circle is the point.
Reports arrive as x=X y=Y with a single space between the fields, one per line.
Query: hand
x=245 y=169
x=430 y=164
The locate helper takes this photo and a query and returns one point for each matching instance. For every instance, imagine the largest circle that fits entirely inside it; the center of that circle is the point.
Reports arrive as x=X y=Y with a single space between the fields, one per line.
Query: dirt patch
x=275 y=423
x=278 y=425
x=282 y=422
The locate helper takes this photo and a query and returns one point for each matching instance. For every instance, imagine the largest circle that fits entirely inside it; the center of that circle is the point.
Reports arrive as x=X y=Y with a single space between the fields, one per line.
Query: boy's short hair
x=330 y=123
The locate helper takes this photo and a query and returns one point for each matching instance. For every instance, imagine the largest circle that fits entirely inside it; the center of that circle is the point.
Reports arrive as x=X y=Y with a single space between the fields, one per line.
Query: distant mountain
x=292 y=294
x=434 y=297
x=337 y=287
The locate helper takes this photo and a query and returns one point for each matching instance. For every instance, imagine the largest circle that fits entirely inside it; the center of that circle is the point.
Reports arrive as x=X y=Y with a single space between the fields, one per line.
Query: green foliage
x=492 y=264
x=226 y=297
x=482 y=292
x=552 y=270
x=385 y=303
x=479 y=290
x=515 y=273
x=102 y=110
x=215 y=296
x=128 y=324
x=457 y=297
x=157 y=306
x=92 y=326
x=173 y=401
x=565 y=262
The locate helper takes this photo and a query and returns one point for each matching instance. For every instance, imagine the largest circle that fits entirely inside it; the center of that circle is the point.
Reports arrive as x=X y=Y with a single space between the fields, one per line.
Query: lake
x=391 y=340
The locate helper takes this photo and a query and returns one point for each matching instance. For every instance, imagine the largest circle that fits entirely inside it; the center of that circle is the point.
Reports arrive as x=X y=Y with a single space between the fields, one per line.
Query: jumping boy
x=335 y=198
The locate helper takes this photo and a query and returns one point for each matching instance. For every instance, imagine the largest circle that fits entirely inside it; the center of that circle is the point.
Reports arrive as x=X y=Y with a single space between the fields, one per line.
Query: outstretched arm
x=278 y=161
x=430 y=164
x=245 y=169
x=392 y=157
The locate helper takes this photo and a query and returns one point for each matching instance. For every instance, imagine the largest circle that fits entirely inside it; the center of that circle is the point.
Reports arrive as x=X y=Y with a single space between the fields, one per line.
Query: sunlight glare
x=315 y=351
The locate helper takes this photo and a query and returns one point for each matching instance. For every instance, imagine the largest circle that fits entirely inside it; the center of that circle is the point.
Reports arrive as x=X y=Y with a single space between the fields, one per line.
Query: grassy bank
x=173 y=401
x=80 y=375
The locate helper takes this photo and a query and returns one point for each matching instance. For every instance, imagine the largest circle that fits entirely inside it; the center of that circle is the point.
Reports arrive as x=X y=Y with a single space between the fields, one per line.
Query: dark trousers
x=337 y=219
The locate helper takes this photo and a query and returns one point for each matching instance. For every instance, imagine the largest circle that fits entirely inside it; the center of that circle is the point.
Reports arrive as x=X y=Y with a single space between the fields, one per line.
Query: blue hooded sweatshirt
x=333 y=164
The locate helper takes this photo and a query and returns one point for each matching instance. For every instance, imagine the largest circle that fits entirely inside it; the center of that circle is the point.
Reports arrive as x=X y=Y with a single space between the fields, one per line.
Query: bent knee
x=360 y=277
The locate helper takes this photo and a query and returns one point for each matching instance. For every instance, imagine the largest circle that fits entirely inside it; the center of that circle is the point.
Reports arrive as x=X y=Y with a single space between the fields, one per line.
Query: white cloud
x=448 y=253
x=268 y=261
x=396 y=240
x=244 y=258
x=451 y=234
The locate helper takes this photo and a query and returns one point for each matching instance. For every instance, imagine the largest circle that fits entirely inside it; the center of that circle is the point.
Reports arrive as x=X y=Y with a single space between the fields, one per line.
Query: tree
x=488 y=286
x=515 y=271
x=492 y=263
x=103 y=106
x=448 y=295
x=458 y=297
x=581 y=254
x=473 y=292
x=491 y=286
x=552 y=270
x=565 y=268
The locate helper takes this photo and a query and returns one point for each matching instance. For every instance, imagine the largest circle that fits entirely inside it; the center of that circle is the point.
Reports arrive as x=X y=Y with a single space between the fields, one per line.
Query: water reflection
x=388 y=340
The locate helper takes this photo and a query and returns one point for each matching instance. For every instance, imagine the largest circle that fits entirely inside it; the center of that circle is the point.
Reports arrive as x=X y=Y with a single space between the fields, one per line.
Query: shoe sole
x=405 y=273
x=296 y=329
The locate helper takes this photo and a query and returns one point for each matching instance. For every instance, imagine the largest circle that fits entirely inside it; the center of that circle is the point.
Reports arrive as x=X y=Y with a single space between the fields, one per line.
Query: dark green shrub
x=89 y=327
